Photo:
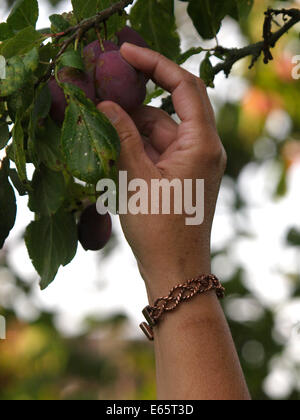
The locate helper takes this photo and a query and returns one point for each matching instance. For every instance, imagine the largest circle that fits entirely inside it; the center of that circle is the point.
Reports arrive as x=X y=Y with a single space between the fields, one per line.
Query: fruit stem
x=105 y=30
x=99 y=39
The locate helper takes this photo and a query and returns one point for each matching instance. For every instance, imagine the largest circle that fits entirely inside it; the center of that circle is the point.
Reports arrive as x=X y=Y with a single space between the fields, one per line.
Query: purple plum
x=94 y=229
x=128 y=34
x=117 y=81
x=92 y=52
x=75 y=77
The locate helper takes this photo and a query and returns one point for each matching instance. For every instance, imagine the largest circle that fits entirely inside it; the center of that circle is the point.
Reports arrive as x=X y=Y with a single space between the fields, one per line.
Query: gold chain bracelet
x=178 y=294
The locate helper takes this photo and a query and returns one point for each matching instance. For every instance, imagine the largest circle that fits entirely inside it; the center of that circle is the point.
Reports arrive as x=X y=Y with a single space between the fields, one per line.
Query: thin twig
x=80 y=29
x=255 y=50
x=232 y=56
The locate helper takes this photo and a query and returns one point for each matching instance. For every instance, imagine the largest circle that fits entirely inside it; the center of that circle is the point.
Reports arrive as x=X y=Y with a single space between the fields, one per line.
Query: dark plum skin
x=128 y=34
x=94 y=229
x=75 y=77
x=92 y=52
x=117 y=81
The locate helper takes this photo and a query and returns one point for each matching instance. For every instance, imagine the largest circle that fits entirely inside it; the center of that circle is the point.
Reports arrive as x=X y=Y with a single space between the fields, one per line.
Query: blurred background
x=80 y=339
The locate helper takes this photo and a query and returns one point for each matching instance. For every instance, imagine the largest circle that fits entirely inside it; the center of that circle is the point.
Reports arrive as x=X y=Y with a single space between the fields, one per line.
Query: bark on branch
x=77 y=31
x=262 y=47
x=231 y=56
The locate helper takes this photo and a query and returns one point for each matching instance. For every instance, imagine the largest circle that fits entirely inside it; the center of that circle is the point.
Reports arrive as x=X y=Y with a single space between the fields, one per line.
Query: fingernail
x=129 y=45
x=111 y=114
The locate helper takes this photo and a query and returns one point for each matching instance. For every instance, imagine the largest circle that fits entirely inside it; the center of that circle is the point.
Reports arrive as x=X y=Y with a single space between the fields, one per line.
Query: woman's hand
x=194 y=352
x=154 y=146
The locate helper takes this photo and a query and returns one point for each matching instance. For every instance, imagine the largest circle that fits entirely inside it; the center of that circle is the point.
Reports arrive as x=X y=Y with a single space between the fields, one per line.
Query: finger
x=156 y=125
x=152 y=153
x=210 y=109
x=132 y=148
x=189 y=100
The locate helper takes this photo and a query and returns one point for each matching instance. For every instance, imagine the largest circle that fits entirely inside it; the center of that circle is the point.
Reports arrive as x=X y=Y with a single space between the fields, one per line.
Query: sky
x=94 y=286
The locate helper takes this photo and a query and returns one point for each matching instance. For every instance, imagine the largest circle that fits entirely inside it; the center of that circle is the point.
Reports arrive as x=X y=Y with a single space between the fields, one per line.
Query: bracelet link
x=147 y=312
x=181 y=293
x=147 y=330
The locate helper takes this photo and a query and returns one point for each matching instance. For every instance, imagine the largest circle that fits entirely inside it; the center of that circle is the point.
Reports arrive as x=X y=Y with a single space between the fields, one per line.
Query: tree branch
x=79 y=30
x=232 y=56
x=255 y=50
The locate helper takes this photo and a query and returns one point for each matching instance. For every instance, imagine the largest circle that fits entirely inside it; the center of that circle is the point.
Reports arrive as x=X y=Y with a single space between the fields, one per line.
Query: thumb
x=132 y=148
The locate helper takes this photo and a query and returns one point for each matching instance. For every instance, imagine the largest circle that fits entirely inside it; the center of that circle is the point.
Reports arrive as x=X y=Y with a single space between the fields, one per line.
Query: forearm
x=195 y=354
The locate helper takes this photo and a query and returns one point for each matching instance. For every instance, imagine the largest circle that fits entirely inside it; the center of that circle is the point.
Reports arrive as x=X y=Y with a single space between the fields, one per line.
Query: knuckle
x=215 y=155
x=189 y=79
x=160 y=59
x=126 y=136
x=224 y=159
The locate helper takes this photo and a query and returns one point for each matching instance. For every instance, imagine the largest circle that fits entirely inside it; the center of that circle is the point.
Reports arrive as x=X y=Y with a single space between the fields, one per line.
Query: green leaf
x=46 y=54
x=40 y=110
x=15 y=77
x=18 y=148
x=48 y=191
x=58 y=236
x=24 y=13
x=18 y=71
x=31 y=60
x=244 y=8
x=293 y=237
x=8 y=207
x=84 y=8
x=155 y=21
x=20 y=101
x=282 y=187
x=154 y=94
x=23 y=42
x=47 y=145
x=207 y=72
x=42 y=104
x=207 y=15
x=90 y=143
x=19 y=186
x=4 y=134
x=10 y=152
x=72 y=59
x=59 y=23
x=189 y=53
x=5 y=31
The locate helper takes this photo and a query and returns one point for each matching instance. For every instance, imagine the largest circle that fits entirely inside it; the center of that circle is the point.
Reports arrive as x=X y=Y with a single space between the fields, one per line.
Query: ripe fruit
x=128 y=34
x=94 y=229
x=75 y=77
x=117 y=81
x=92 y=52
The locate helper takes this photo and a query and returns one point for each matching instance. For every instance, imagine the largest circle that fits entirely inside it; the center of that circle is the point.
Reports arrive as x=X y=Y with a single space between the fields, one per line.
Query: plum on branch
x=128 y=34
x=117 y=81
x=92 y=52
x=75 y=77
x=94 y=229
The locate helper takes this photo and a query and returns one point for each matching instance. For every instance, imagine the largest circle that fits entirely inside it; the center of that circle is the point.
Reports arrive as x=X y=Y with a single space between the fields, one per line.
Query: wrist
x=160 y=279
